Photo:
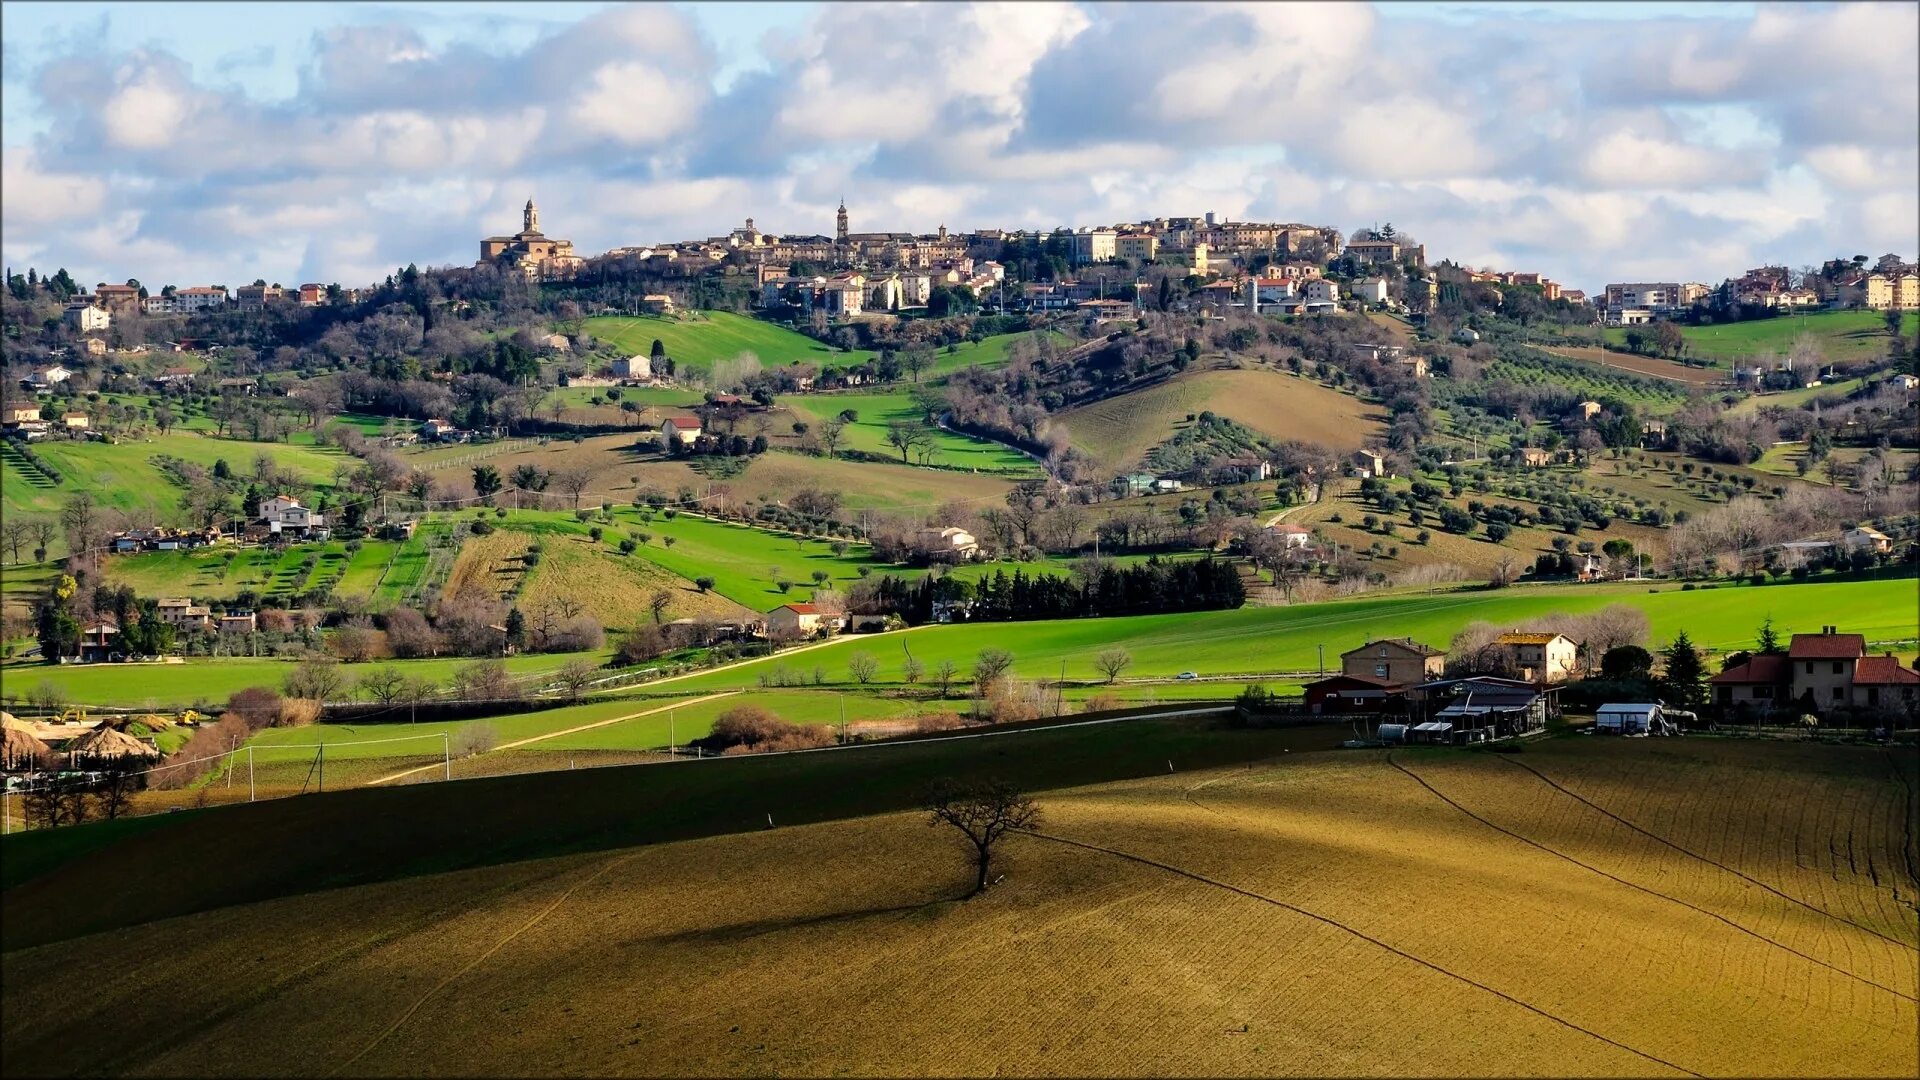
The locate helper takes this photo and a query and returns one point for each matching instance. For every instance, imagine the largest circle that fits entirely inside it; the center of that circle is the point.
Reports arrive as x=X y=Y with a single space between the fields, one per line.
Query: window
x=1809 y=667
x=1763 y=692
x=1836 y=693
x=1873 y=695
x=1838 y=667
x=1379 y=671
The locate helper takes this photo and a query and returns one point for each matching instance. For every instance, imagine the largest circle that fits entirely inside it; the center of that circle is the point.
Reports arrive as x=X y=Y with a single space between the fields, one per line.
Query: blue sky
x=199 y=142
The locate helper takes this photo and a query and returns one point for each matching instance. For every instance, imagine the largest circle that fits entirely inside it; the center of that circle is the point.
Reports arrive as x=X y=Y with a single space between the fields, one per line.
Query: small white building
x=87 y=318
x=1639 y=718
x=1867 y=537
x=681 y=428
x=952 y=540
x=1370 y=290
x=638 y=366
x=285 y=514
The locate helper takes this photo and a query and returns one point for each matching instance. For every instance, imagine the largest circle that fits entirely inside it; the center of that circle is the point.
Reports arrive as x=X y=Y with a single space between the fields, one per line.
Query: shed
x=1431 y=732
x=1639 y=718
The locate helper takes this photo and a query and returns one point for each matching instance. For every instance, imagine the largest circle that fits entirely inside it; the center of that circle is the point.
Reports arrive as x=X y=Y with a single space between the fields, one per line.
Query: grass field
x=1840 y=335
x=213 y=680
x=874 y=412
x=1657 y=367
x=122 y=476
x=1119 y=431
x=701 y=339
x=1591 y=907
x=218 y=573
x=1280 y=639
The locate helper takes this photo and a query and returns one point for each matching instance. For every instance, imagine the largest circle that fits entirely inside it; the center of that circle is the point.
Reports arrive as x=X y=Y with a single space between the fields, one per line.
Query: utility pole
x=670 y=732
x=446 y=754
x=249 y=773
x=1323 y=657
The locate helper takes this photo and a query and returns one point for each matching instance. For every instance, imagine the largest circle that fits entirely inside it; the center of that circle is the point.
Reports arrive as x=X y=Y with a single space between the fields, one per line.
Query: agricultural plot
x=874 y=413
x=570 y=565
x=1588 y=908
x=1256 y=640
x=1650 y=394
x=1657 y=367
x=864 y=484
x=1839 y=335
x=122 y=476
x=744 y=562
x=222 y=572
x=699 y=340
x=214 y=680
x=1120 y=430
x=1826 y=394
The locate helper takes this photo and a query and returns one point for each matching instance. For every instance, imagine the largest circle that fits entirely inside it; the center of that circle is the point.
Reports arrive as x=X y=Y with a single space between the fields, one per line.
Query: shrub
x=933 y=723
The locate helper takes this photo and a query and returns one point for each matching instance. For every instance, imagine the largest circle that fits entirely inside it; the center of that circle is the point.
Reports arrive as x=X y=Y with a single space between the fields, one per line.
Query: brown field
x=611 y=587
x=1641 y=365
x=1590 y=907
x=1119 y=431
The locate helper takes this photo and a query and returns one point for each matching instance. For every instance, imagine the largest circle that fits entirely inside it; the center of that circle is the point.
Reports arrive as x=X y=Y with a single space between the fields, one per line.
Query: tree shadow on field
x=744 y=931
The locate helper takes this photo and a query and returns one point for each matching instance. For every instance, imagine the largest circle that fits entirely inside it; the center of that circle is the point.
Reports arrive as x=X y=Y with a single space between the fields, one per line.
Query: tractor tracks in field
x=1789 y=897
x=1906 y=851
x=540 y=916
x=1362 y=935
x=191 y=1029
x=1716 y=916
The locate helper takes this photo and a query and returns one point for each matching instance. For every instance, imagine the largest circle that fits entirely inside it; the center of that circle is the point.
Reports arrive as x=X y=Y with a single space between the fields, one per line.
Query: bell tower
x=840 y=224
x=530 y=218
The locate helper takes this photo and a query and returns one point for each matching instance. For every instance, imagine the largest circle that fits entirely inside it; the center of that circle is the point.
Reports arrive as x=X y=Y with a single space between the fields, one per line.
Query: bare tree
x=990 y=665
x=862 y=666
x=829 y=434
x=984 y=812
x=1112 y=662
x=383 y=684
x=42 y=531
x=120 y=777
x=573 y=482
x=13 y=534
x=575 y=676
x=945 y=673
x=659 y=602
x=316 y=678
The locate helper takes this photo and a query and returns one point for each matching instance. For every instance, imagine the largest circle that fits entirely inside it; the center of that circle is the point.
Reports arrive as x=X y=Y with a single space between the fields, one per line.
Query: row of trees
x=1155 y=585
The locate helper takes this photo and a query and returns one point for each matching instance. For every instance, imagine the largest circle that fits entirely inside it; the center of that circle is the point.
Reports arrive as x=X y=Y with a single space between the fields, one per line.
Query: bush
x=933 y=723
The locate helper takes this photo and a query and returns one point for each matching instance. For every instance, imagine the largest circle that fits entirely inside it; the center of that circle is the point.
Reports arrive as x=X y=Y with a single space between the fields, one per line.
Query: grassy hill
x=1590 y=907
x=1840 y=335
x=1119 y=431
x=875 y=411
x=701 y=338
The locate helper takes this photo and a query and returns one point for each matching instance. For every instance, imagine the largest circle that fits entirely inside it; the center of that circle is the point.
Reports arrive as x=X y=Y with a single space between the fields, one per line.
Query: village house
x=1533 y=457
x=75 y=421
x=1369 y=463
x=99 y=642
x=257 y=297
x=15 y=413
x=951 y=542
x=636 y=367
x=95 y=346
x=1541 y=658
x=1369 y=290
x=283 y=514
x=1867 y=537
x=1402 y=661
x=239 y=622
x=656 y=304
x=1895 y=291
x=800 y=620
x=120 y=300
x=1821 y=670
x=1292 y=537
x=182 y=613
x=680 y=428
x=435 y=429
x=43 y=379
x=312 y=294
x=87 y=317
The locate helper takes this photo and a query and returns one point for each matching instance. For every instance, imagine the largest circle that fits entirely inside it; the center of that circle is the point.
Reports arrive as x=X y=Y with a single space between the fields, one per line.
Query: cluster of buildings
x=21 y=419
x=1819 y=671
x=854 y=292
x=1890 y=286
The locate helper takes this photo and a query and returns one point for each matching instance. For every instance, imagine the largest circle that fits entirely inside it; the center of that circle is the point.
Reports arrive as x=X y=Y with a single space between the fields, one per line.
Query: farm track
x=1656 y=837
x=1716 y=916
x=1336 y=924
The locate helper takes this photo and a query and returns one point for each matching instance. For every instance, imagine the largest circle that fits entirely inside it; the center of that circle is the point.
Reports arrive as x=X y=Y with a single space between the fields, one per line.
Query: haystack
x=104 y=742
x=21 y=747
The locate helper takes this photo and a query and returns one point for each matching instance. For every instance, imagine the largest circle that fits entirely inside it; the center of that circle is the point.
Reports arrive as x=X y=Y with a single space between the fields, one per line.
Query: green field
x=1277 y=639
x=875 y=411
x=698 y=341
x=221 y=572
x=122 y=476
x=213 y=680
x=739 y=558
x=1840 y=335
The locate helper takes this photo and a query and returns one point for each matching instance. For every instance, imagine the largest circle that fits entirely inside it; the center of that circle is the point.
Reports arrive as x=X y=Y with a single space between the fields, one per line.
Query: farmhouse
x=183 y=614
x=1819 y=671
x=1350 y=694
x=1401 y=661
x=951 y=542
x=1292 y=537
x=99 y=642
x=1867 y=537
x=803 y=620
x=680 y=428
x=639 y=366
x=285 y=514
x=1541 y=658
x=15 y=413
x=239 y=622
x=1534 y=457
x=1367 y=463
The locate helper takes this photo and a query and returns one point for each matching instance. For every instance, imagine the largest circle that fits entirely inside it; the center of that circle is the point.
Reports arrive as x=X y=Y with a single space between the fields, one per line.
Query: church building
x=530 y=251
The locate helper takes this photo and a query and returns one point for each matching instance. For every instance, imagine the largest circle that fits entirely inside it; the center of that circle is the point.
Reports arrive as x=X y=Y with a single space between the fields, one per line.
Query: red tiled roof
x=1883 y=671
x=1767 y=669
x=682 y=421
x=1827 y=646
x=802 y=609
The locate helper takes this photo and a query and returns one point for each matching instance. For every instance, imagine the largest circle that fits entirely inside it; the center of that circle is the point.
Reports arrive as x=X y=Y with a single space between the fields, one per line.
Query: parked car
x=1186 y=675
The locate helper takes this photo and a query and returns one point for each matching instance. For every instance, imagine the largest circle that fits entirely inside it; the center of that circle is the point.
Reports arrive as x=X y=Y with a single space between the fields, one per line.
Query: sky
x=215 y=143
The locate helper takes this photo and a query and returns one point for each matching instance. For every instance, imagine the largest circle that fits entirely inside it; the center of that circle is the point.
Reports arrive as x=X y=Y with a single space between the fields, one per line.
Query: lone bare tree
x=1112 y=662
x=984 y=812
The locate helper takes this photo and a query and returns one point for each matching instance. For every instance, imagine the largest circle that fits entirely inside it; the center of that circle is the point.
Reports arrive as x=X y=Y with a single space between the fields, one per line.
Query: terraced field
x=1589 y=907
x=1121 y=430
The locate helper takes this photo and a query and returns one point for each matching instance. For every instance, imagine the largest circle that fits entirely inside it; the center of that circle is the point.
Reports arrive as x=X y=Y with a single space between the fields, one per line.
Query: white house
x=638 y=366
x=86 y=317
x=681 y=428
x=1867 y=537
x=958 y=542
x=802 y=619
x=1293 y=537
x=1370 y=290
x=52 y=375
x=285 y=514
x=1319 y=291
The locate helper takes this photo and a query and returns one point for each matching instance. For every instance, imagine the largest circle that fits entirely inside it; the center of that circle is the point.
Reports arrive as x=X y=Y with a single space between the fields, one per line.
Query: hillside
x=1119 y=431
x=1590 y=907
x=701 y=338
x=1839 y=335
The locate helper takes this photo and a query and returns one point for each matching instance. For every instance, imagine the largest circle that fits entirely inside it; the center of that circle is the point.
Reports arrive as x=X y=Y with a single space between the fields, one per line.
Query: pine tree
x=1685 y=683
x=1769 y=641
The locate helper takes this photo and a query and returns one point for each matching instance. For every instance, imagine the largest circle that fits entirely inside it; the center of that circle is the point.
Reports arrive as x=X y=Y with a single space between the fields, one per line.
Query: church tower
x=530 y=218
x=840 y=224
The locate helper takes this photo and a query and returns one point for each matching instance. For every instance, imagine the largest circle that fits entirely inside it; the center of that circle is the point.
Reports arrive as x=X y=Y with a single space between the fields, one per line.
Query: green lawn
x=988 y=352
x=1842 y=335
x=739 y=558
x=1253 y=640
x=214 y=680
x=222 y=572
x=700 y=339
x=875 y=411
x=1828 y=393
x=400 y=739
